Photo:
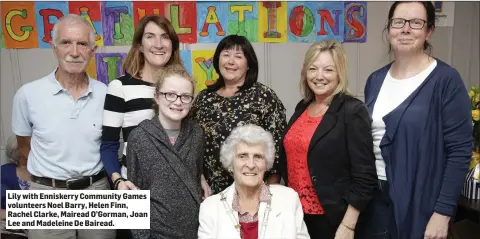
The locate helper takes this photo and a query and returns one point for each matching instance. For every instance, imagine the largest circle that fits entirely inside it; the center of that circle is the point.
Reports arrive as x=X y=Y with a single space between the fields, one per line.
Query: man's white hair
x=12 y=151
x=72 y=19
x=249 y=134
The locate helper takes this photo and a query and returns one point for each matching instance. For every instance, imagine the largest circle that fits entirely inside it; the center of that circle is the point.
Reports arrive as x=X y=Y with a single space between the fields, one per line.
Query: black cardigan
x=340 y=157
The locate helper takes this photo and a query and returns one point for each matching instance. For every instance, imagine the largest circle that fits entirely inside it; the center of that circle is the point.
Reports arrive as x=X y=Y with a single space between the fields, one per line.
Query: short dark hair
x=236 y=42
x=430 y=10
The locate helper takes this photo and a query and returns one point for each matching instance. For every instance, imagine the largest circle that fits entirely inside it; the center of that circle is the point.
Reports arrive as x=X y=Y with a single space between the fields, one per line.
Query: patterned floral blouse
x=219 y=115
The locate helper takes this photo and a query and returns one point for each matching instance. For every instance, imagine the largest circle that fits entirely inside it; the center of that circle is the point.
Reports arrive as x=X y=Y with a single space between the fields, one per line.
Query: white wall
x=280 y=63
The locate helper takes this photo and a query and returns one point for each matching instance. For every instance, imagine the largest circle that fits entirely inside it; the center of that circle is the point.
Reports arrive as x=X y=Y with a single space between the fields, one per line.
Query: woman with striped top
x=129 y=98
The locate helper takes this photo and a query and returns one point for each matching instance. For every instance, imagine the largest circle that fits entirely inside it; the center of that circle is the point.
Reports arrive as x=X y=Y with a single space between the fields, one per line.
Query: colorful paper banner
x=20 y=29
x=117 y=23
x=1 y=37
x=243 y=20
x=186 y=57
x=30 y=24
x=301 y=21
x=272 y=22
x=92 y=12
x=355 y=22
x=109 y=66
x=212 y=21
x=47 y=14
x=199 y=63
x=203 y=70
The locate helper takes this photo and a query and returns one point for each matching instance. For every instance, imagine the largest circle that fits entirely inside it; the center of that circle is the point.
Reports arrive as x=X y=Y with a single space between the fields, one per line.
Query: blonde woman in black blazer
x=327 y=151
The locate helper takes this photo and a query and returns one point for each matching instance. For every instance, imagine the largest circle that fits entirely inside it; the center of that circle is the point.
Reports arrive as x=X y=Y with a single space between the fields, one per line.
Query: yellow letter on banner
x=212 y=19
x=241 y=17
x=25 y=29
x=18 y=25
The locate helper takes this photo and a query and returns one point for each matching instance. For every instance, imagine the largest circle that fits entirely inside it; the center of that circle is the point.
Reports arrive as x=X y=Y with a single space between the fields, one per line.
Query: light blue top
x=65 y=133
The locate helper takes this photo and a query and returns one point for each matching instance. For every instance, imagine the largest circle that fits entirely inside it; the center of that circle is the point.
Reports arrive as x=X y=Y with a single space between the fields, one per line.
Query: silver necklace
x=236 y=224
x=318 y=112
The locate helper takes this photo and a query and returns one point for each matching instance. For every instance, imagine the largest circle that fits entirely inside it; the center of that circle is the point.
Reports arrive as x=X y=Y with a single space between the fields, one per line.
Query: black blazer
x=340 y=157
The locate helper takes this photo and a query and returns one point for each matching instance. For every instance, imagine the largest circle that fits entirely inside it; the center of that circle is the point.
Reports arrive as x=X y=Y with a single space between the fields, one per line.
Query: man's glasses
x=172 y=97
x=414 y=23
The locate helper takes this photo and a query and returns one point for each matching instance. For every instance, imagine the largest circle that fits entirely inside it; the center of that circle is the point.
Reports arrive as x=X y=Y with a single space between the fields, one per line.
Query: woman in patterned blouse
x=235 y=99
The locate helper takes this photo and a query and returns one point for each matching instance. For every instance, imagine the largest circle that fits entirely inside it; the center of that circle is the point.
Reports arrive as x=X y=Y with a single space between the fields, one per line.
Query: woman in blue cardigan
x=422 y=131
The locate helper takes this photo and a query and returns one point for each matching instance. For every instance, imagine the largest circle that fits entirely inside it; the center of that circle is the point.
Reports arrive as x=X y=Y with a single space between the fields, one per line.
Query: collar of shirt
x=57 y=87
x=265 y=196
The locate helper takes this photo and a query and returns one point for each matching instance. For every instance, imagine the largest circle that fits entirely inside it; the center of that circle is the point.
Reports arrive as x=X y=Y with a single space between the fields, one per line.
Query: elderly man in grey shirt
x=58 y=123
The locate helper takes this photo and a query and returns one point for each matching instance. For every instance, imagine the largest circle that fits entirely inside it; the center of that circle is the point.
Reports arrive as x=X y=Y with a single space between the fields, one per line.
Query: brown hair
x=135 y=60
x=161 y=75
x=339 y=58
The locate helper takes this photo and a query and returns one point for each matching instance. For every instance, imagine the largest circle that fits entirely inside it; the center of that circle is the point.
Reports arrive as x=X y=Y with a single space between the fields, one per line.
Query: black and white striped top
x=128 y=102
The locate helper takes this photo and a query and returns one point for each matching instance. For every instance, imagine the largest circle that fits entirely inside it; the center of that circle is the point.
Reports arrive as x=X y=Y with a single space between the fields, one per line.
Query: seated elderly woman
x=14 y=177
x=249 y=208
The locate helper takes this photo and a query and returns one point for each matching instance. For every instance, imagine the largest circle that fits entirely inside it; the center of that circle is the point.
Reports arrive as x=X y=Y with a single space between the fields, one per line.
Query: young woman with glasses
x=130 y=97
x=165 y=156
x=422 y=132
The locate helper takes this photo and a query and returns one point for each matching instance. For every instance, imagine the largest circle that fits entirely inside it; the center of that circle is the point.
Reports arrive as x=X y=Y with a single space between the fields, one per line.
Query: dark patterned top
x=219 y=115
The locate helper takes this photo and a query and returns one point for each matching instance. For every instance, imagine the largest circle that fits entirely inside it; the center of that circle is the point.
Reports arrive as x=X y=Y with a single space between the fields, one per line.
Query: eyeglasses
x=170 y=96
x=414 y=23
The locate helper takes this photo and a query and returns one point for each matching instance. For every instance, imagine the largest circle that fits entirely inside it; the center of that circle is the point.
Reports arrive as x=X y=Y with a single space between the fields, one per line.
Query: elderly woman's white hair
x=249 y=134
x=11 y=150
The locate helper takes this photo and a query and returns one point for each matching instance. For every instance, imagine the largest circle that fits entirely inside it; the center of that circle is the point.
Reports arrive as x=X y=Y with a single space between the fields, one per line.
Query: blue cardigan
x=427 y=147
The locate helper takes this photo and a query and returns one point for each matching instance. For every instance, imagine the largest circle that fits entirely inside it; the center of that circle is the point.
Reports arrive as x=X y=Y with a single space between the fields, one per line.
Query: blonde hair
x=339 y=58
x=161 y=75
x=135 y=60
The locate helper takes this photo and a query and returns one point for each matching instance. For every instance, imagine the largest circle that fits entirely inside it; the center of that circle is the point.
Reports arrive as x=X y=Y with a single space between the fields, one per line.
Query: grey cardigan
x=171 y=173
